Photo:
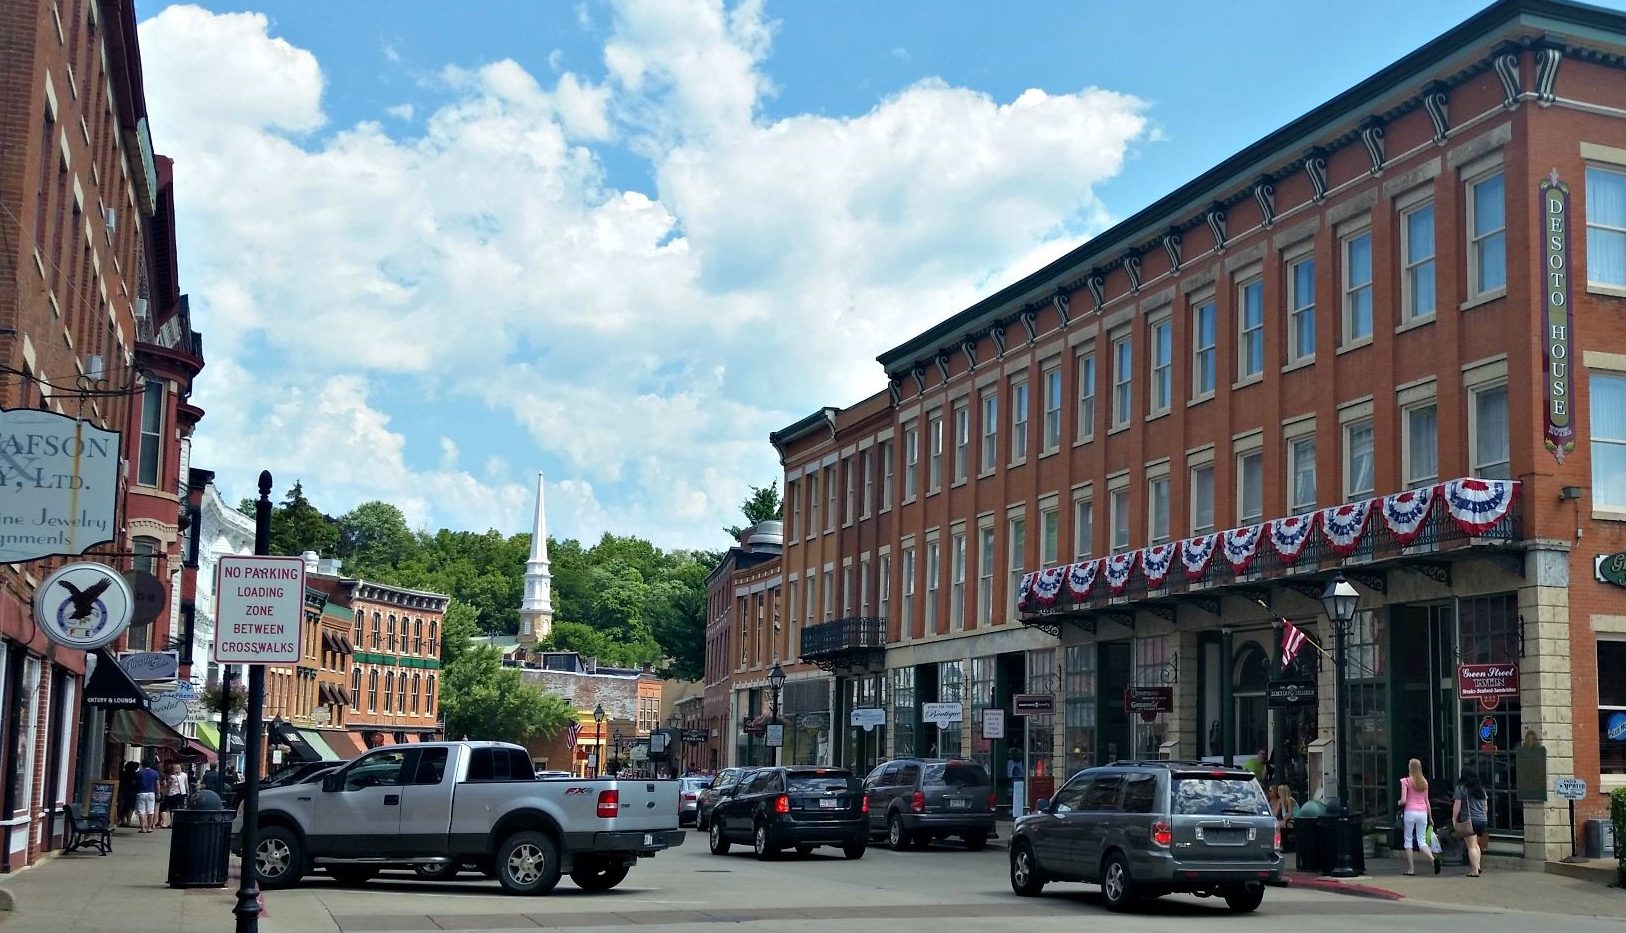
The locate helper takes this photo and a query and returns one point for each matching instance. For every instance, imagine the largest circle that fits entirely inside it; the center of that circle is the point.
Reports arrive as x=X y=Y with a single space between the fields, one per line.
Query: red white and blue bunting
x=1404 y=513
x=1344 y=525
x=1155 y=562
x=1047 y=586
x=1081 y=578
x=1240 y=545
x=1196 y=553
x=1289 y=536
x=1478 y=505
x=1119 y=567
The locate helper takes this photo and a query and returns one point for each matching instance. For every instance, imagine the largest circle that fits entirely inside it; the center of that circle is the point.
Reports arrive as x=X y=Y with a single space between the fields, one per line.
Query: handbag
x=1462 y=828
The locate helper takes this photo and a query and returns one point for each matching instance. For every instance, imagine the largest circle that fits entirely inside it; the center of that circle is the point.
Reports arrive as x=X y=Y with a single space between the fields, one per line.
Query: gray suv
x=916 y=800
x=1144 y=828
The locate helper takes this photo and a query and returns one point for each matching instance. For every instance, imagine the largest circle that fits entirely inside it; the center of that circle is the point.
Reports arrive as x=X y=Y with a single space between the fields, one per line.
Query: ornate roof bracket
x=998 y=333
x=1265 y=193
x=1315 y=166
x=1087 y=623
x=1375 y=580
x=1548 y=58
x=1030 y=323
x=1438 y=571
x=1063 y=309
x=1215 y=218
x=1097 y=284
x=1309 y=589
x=1171 y=245
x=1050 y=625
x=968 y=346
x=1209 y=603
x=1437 y=101
x=894 y=387
x=1168 y=612
x=1125 y=618
x=1258 y=595
x=943 y=364
x=1372 y=138
x=920 y=379
x=1506 y=62
x=1132 y=268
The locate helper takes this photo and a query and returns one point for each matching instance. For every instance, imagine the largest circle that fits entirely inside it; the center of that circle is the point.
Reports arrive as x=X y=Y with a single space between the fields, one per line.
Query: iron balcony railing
x=839 y=636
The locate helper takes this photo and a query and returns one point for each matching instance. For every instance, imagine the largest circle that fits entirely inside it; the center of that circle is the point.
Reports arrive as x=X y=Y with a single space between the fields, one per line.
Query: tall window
x=985 y=575
x=847 y=591
x=883 y=587
x=1605 y=227
x=793 y=493
x=863 y=586
x=378 y=627
x=911 y=461
x=934 y=572
x=1162 y=387
x=1421 y=439
x=1301 y=474
x=813 y=501
x=934 y=469
x=389 y=690
x=1251 y=329
x=1611 y=705
x=1250 y=487
x=1488 y=435
x=1202 y=499
x=1301 y=310
x=1052 y=409
x=1086 y=397
x=434 y=638
x=1122 y=373
x=830 y=494
x=1019 y=556
x=1157 y=509
x=417 y=636
x=1358 y=287
x=990 y=432
x=355 y=683
x=1019 y=421
x=849 y=479
x=1487 y=244
x=1417 y=240
x=957 y=558
x=372 y=691
x=1203 y=338
x=429 y=695
x=868 y=460
x=1359 y=481
x=391 y=635
x=908 y=619
x=828 y=604
x=962 y=442
x=400 y=692
x=1118 y=505
x=1608 y=415
x=417 y=685
x=1049 y=536
x=153 y=395
x=888 y=459
x=1083 y=527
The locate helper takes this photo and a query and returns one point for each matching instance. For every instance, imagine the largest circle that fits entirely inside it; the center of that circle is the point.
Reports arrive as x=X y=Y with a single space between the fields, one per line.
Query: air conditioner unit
x=112 y=219
x=141 y=309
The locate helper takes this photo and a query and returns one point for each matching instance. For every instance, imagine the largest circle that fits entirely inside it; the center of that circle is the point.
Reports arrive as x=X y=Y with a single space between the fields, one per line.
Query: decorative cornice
x=1548 y=58
x=1315 y=166
x=894 y=387
x=1132 y=269
x=1437 y=100
x=1030 y=323
x=1265 y=193
x=998 y=333
x=920 y=379
x=1063 y=310
x=1171 y=245
x=1506 y=62
x=1372 y=138
x=968 y=346
x=943 y=364
x=1215 y=218
x=1097 y=284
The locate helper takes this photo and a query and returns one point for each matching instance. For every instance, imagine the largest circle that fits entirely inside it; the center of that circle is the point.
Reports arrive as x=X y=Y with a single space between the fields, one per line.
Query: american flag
x=571 y=733
x=1293 y=639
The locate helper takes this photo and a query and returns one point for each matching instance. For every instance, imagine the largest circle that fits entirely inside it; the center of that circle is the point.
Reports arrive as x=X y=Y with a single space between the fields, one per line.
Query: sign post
x=1571 y=789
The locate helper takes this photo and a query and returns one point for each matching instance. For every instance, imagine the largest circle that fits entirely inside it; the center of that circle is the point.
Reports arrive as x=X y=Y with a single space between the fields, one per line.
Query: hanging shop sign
x=1033 y=704
x=1287 y=694
x=1557 y=320
x=150 y=596
x=83 y=605
x=153 y=665
x=1485 y=682
x=1151 y=700
x=695 y=736
x=867 y=718
x=58 y=485
x=941 y=715
x=1610 y=568
x=170 y=708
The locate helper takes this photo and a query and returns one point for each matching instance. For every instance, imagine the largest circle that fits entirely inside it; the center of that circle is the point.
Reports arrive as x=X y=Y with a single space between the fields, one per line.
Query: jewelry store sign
x=1557 y=319
x=58 y=485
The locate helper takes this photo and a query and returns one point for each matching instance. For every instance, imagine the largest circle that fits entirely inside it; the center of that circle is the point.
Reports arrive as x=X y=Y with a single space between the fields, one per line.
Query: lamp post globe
x=1340 y=601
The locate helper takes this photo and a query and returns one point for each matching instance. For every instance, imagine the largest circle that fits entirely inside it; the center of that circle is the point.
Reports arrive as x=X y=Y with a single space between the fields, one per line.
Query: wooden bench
x=87 y=832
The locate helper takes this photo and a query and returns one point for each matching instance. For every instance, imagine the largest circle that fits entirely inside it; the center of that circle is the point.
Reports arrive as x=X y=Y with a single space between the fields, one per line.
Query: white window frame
x=1086 y=397
x=1478 y=242
x=793 y=492
x=867 y=458
x=850 y=481
x=1049 y=534
x=1296 y=450
x=1118 y=507
x=1408 y=453
x=150 y=456
x=830 y=495
x=957 y=562
x=1413 y=270
x=934 y=572
x=907 y=617
x=1615 y=232
x=1016 y=532
x=1123 y=374
x=1158 y=527
x=1476 y=467
x=1052 y=409
x=911 y=461
x=1019 y=420
x=1083 y=527
x=883 y=587
x=1355 y=290
x=1198 y=527
x=889 y=459
x=985 y=573
x=1600 y=501
x=1204 y=357
x=1160 y=375
x=934 y=468
x=1350 y=429
x=990 y=433
x=962 y=442
x=1299 y=312
x=814 y=501
x=1244 y=515
x=1247 y=336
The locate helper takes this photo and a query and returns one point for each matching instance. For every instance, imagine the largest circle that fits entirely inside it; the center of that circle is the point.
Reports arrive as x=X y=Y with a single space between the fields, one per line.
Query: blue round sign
x=1617 y=728
x=1487 y=729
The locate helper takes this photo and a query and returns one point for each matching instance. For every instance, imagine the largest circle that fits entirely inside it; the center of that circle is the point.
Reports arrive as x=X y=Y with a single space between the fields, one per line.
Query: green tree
x=484 y=701
x=590 y=642
x=677 y=619
x=763 y=504
x=458 y=628
x=298 y=526
x=374 y=540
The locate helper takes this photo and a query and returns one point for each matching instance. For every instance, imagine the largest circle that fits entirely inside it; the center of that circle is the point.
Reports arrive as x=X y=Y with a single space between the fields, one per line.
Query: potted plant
x=217 y=698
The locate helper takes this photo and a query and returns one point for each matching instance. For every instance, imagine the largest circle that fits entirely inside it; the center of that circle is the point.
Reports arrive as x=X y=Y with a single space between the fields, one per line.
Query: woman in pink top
x=1414 y=804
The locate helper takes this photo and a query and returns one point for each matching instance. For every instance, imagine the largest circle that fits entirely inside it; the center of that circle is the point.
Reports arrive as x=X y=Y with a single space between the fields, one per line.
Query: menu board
x=102 y=800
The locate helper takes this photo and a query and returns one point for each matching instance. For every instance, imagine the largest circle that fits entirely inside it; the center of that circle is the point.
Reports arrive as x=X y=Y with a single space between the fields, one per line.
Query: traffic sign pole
x=248 y=891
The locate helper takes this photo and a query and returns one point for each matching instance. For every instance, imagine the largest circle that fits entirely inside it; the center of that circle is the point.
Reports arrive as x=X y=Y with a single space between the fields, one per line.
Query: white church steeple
x=536 y=612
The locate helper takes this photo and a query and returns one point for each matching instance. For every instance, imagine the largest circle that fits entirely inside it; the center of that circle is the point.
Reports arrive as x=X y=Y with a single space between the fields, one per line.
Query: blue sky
x=437 y=251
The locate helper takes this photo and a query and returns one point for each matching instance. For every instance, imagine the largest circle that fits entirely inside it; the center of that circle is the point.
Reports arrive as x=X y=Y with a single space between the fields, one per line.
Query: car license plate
x=829 y=803
x=649 y=839
x=958 y=803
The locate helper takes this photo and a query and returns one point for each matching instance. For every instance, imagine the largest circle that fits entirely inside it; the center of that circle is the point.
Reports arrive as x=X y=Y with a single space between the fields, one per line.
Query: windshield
x=1211 y=796
x=956 y=774
x=808 y=782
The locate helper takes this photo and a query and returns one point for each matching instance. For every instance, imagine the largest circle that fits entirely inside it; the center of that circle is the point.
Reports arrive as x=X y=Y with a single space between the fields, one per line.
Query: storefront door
x=1116 y=663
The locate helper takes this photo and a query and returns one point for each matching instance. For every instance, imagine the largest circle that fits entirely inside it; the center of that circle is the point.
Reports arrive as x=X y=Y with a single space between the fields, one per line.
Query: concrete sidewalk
x=122 y=891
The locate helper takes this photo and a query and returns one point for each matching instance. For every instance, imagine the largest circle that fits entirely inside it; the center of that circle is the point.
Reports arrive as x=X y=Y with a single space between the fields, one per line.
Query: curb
x=1349 y=889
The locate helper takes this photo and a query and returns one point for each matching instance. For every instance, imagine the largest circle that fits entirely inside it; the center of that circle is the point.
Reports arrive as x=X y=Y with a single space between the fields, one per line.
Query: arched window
x=355 y=683
x=400 y=692
x=390 y=632
x=1252 y=675
x=389 y=690
x=417 y=636
x=378 y=623
x=372 y=691
x=416 y=684
x=361 y=621
x=434 y=638
x=429 y=696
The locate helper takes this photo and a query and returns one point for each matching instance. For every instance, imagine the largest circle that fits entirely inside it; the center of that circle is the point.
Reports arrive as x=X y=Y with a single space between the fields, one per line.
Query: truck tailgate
x=642 y=805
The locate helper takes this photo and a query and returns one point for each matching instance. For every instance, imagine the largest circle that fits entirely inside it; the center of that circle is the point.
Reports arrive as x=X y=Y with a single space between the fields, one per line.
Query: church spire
x=536 y=612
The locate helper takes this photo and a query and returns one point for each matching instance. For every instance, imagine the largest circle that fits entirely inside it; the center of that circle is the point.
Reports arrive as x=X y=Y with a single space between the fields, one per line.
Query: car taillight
x=781 y=804
x=1278 y=839
x=866 y=803
x=688 y=796
x=917 y=803
x=1162 y=833
x=993 y=801
x=609 y=804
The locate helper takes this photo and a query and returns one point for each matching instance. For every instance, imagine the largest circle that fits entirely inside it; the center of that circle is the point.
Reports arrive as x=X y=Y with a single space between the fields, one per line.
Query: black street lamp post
x=598 y=736
x=1339 y=601
x=776 y=683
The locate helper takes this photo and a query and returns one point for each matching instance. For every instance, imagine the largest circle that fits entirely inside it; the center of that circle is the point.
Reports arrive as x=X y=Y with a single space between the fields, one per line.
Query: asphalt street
x=944 y=889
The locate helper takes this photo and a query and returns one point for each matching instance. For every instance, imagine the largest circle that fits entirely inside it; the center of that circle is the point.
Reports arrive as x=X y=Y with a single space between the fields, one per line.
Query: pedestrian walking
x=1470 y=819
x=128 y=789
x=1019 y=784
x=175 y=791
x=212 y=780
x=147 y=781
x=1414 y=813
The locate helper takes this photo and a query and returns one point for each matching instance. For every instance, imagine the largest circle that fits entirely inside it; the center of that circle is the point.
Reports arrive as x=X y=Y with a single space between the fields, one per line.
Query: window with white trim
x=1019 y=420
x=990 y=432
x=883 y=587
x=1417 y=248
x=1250 y=487
x=1083 y=527
x=1052 y=409
x=1049 y=536
x=1123 y=359
x=1301 y=475
x=830 y=492
x=934 y=471
x=1611 y=707
x=1251 y=329
x=962 y=442
x=985 y=575
x=908 y=617
x=1157 y=509
x=888 y=467
x=1359 y=481
x=957 y=558
x=1162 y=384
x=1488 y=441
x=868 y=459
x=1487 y=234
x=933 y=573
x=1607 y=403
x=1118 y=505
x=849 y=478
x=1203 y=354
x=828 y=603
x=813 y=500
x=1086 y=397
x=1202 y=499
x=151 y=457
x=1358 y=287
x=847 y=591
x=864 y=585
x=1420 y=451
x=1301 y=310
x=911 y=461
x=1605 y=226
x=793 y=492
x=1017 y=529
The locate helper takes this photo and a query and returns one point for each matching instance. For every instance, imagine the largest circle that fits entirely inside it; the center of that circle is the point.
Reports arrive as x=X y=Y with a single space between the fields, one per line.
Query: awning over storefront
x=110 y=687
x=197 y=751
x=208 y=735
x=139 y=727
x=346 y=744
x=320 y=744
x=286 y=735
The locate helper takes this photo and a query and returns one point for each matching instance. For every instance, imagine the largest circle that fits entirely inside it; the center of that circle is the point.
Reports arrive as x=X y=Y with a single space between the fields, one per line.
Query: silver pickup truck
x=442 y=805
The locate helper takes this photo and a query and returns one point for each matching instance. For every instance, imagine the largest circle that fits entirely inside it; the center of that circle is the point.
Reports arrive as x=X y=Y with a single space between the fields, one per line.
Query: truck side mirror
x=333 y=782
x=1043 y=805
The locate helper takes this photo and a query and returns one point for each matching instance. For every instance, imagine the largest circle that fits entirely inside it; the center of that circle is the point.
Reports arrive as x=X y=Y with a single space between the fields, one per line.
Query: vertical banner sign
x=1557 y=319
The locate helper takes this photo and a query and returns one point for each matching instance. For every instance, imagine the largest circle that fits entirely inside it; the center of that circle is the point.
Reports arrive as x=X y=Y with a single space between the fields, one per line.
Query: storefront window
x=1252 y=713
x=1152 y=669
x=1612 y=708
x=904 y=712
x=805 y=709
x=1371 y=786
x=1487 y=632
x=1043 y=677
x=864 y=747
x=1079 y=690
x=982 y=698
x=950 y=689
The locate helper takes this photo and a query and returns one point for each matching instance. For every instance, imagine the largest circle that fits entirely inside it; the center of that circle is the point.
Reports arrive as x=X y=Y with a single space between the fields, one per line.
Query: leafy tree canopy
x=763 y=504
x=484 y=701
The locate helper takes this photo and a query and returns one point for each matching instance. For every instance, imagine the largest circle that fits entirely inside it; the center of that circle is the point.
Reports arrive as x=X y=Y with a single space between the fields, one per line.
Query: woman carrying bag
x=1414 y=804
x=1470 y=818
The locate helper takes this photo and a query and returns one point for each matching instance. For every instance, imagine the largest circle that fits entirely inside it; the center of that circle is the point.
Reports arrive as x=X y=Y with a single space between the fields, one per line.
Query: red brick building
x=1386 y=340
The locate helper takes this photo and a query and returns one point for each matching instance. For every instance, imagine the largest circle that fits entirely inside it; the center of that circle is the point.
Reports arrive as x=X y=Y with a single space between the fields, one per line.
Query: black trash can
x=200 y=848
x=1310 y=839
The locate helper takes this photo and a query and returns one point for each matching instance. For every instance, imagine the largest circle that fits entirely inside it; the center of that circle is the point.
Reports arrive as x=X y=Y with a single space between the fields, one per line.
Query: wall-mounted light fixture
x=1569 y=493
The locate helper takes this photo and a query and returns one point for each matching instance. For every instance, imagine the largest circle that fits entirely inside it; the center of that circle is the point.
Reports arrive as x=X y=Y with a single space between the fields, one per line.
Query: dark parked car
x=725 y=782
x=779 y=808
x=689 y=790
x=1144 y=828
x=916 y=800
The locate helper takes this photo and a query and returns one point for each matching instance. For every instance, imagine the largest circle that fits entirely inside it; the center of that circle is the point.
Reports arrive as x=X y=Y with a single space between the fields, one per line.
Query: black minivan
x=800 y=808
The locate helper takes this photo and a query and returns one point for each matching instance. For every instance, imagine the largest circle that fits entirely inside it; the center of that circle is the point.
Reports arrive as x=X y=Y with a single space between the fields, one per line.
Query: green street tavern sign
x=58 y=485
x=1610 y=568
x=1557 y=319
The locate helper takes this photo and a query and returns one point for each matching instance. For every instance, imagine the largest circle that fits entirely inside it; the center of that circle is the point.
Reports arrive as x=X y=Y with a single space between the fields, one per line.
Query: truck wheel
x=1116 y=887
x=528 y=863
x=976 y=842
x=279 y=859
x=854 y=851
x=719 y=842
x=599 y=874
x=1026 y=880
x=352 y=874
x=440 y=871
x=897 y=838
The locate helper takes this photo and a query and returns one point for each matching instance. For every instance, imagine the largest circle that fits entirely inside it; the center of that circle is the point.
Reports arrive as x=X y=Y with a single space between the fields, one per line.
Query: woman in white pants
x=1414 y=810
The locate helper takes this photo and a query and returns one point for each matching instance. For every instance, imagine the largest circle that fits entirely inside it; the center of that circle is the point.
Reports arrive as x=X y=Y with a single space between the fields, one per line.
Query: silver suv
x=1144 y=828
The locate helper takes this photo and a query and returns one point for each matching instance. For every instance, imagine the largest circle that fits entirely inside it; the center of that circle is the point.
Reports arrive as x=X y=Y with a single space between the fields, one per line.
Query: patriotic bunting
x=1119 y=567
x=1024 y=591
x=1081 y=578
x=1405 y=512
x=1289 y=536
x=1047 y=586
x=1477 y=505
x=1240 y=545
x=1344 y=525
x=1196 y=553
x=1155 y=562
